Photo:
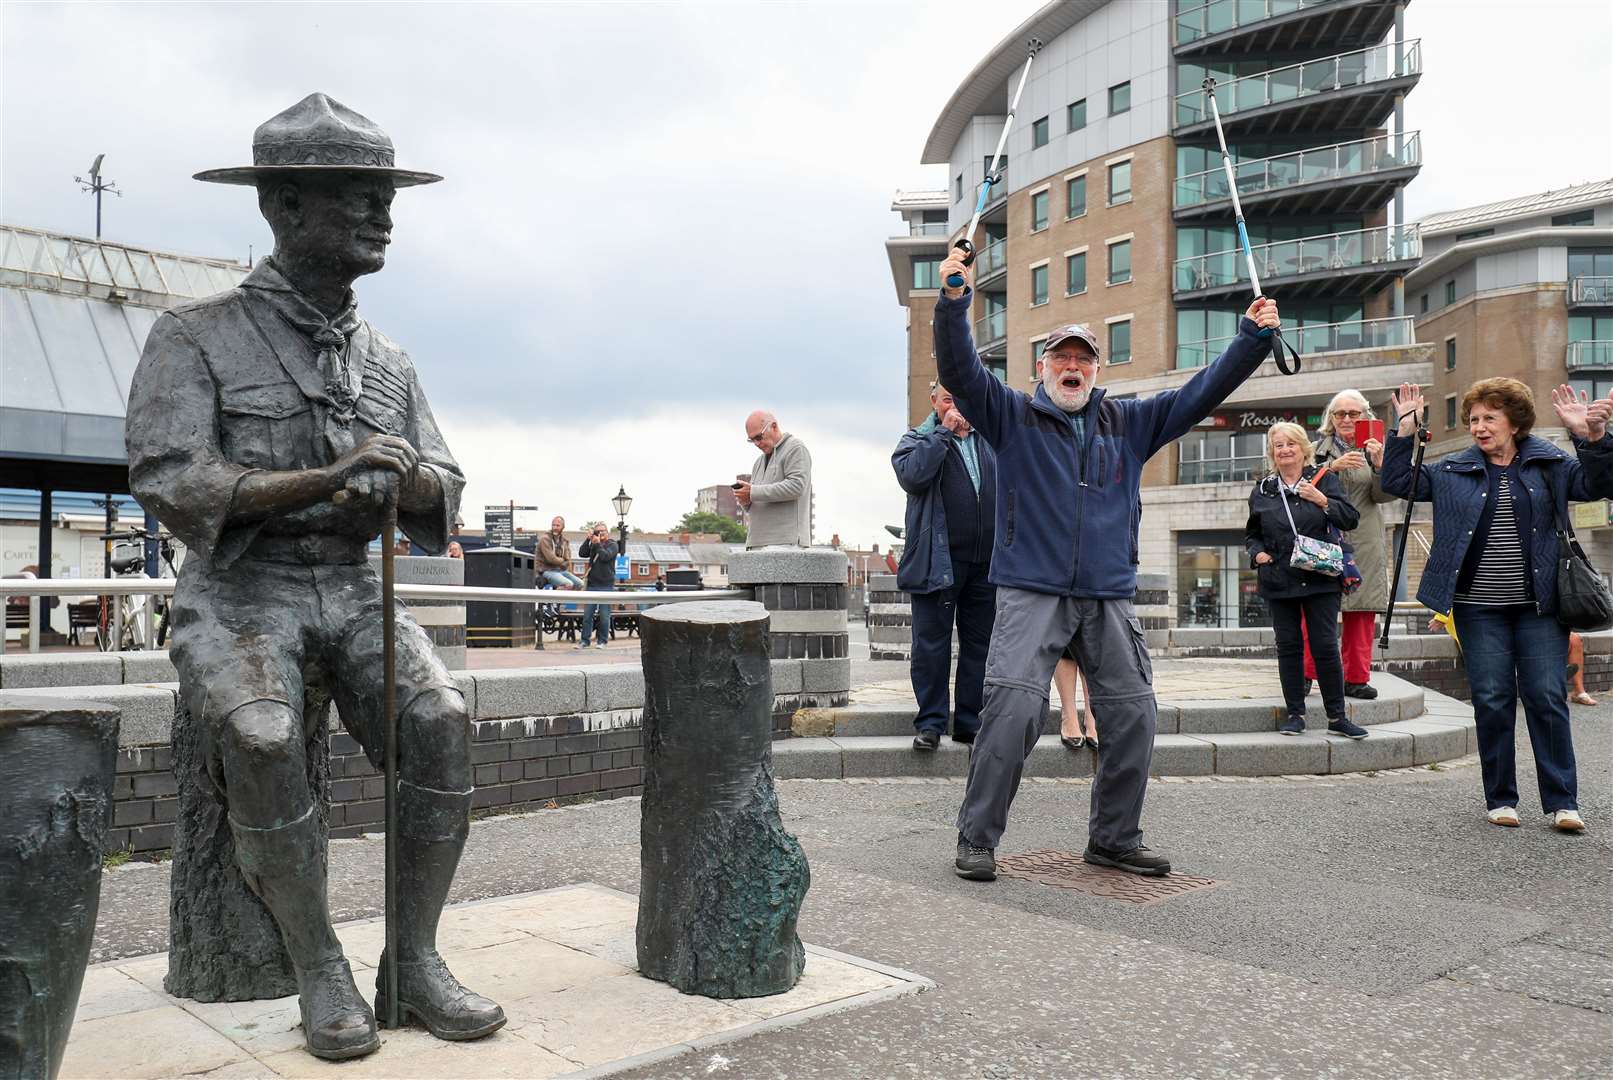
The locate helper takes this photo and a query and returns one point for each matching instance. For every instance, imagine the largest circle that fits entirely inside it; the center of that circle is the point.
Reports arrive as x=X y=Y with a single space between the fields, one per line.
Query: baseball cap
x=1076 y=332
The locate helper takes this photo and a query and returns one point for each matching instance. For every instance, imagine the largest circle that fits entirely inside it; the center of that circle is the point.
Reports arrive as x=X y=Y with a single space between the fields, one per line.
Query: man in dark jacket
x=950 y=476
x=1069 y=468
x=600 y=551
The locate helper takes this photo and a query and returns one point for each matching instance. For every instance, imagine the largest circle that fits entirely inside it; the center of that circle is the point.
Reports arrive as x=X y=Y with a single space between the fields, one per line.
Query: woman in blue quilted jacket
x=1493 y=567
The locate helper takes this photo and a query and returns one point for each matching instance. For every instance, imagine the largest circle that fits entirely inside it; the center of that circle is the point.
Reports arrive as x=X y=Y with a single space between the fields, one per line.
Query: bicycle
x=121 y=621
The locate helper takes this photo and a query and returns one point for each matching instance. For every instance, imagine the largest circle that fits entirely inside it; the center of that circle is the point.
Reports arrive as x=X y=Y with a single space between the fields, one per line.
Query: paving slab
x=560 y=961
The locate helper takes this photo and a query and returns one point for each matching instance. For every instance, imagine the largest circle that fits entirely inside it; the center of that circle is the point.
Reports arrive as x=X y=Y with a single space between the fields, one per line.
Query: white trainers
x=1504 y=815
x=1567 y=821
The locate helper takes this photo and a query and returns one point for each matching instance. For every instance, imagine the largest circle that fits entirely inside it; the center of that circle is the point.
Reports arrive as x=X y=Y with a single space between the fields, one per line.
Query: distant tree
x=700 y=521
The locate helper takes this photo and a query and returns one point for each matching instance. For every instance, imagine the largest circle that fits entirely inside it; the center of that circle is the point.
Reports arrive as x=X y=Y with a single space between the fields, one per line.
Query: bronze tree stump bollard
x=57 y=761
x=721 y=881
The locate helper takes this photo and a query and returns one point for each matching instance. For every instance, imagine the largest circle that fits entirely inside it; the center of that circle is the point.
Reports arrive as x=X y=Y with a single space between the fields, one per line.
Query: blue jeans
x=591 y=613
x=562 y=579
x=971 y=604
x=1513 y=653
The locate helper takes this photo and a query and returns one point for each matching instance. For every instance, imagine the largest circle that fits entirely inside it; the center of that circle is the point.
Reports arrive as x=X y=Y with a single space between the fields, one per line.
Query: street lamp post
x=623 y=502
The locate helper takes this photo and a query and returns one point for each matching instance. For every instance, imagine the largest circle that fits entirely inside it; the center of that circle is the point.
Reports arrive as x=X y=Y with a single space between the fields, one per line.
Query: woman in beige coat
x=1357 y=471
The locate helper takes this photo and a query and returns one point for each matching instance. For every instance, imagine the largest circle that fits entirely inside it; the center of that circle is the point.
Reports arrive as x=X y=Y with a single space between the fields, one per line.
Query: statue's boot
x=284 y=867
x=432 y=826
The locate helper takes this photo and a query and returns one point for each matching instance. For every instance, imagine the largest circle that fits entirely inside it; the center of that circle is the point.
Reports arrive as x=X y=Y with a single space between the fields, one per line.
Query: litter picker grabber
x=1278 y=345
x=1422 y=436
x=993 y=177
x=389 y=710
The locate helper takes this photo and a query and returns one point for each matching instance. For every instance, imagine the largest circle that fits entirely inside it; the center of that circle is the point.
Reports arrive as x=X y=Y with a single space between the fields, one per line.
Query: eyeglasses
x=1348 y=414
x=758 y=437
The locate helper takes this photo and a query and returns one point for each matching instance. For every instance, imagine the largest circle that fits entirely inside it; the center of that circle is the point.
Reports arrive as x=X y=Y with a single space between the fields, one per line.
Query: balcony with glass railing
x=1326 y=179
x=1310 y=266
x=1590 y=355
x=991 y=259
x=1330 y=92
x=1314 y=339
x=1222 y=470
x=927 y=228
x=1590 y=290
x=1276 y=27
x=991 y=328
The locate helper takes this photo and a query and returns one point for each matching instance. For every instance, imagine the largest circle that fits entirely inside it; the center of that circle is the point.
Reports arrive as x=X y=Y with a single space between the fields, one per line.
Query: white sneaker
x=1567 y=821
x=1504 y=815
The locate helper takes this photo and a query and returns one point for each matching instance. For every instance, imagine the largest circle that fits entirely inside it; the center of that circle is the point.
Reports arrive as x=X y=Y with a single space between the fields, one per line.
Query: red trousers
x=1355 y=647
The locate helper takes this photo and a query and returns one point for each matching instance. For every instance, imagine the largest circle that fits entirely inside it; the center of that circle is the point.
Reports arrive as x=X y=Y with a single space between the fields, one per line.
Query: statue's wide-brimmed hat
x=319 y=135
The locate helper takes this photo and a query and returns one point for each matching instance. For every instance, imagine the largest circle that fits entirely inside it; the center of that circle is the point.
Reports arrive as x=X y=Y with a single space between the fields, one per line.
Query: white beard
x=1069 y=402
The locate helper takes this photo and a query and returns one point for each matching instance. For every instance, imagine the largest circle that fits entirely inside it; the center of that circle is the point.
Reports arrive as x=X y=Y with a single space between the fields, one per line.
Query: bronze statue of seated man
x=267 y=427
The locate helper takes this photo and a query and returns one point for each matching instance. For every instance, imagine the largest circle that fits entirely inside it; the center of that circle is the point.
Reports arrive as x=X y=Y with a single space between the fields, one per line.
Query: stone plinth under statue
x=721 y=882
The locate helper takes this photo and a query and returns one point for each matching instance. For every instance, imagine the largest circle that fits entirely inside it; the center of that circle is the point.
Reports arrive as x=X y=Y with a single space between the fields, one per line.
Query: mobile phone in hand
x=1366 y=430
x=736 y=485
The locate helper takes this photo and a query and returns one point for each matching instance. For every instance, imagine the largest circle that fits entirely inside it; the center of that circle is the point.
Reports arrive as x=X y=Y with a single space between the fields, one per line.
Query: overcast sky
x=656 y=216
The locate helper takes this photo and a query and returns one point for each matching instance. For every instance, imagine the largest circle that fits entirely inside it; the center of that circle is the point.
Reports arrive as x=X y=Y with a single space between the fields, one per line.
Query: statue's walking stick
x=389 y=696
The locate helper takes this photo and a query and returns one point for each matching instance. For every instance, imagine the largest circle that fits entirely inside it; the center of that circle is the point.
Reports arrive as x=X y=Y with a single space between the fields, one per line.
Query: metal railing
x=34 y=588
x=1341 y=161
x=927 y=228
x=1221 y=470
x=1591 y=289
x=1376 y=64
x=1219 y=16
x=992 y=327
x=1589 y=354
x=992 y=258
x=1312 y=339
x=1307 y=255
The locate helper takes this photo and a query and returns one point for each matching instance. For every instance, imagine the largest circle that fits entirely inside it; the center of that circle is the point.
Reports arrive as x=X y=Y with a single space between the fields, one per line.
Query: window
x=1075 y=115
x=1450 y=354
x=1075 y=273
x=1075 y=196
x=1450 y=413
x=641 y=569
x=1586 y=216
x=1450 y=292
x=1120 y=342
x=1476 y=234
x=1039 y=133
x=1038 y=285
x=1219 y=457
x=926 y=272
x=1590 y=262
x=997 y=365
x=957 y=188
x=1119 y=262
x=1039 y=210
x=1120 y=183
x=1120 y=98
x=1037 y=349
x=1424 y=310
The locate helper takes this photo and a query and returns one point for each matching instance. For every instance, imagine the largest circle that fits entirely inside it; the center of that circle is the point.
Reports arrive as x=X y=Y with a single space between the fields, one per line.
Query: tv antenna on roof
x=97 y=185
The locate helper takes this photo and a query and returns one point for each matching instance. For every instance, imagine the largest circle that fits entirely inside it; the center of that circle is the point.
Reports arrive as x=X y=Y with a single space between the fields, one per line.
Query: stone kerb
x=804 y=591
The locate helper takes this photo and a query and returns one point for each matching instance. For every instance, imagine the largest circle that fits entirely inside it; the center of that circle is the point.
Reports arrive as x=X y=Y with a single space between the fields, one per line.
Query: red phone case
x=1368 y=429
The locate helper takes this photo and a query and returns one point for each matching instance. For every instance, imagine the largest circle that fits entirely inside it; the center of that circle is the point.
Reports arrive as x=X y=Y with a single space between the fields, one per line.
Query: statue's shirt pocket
x=266 y=427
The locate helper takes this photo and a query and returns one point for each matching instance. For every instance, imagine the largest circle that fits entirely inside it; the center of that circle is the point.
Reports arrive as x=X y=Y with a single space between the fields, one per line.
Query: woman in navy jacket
x=1316 y=509
x=1493 y=567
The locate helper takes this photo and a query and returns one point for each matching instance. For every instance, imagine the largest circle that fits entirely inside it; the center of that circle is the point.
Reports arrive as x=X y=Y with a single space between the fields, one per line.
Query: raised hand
x=1573 y=408
x=1597 y=415
x=1408 y=404
x=1374 y=450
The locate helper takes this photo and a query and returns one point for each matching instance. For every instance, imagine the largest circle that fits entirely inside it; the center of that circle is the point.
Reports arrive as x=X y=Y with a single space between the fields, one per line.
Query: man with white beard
x=1069 y=469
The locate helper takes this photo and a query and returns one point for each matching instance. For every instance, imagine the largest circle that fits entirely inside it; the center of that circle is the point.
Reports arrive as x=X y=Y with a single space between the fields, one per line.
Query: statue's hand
x=373 y=469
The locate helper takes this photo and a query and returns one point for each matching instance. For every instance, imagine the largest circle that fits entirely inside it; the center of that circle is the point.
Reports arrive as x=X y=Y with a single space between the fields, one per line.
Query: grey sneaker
x=974 y=862
x=1294 y=725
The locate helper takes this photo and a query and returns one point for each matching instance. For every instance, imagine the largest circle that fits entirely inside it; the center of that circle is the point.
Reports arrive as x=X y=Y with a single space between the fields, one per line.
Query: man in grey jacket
x=779 y=492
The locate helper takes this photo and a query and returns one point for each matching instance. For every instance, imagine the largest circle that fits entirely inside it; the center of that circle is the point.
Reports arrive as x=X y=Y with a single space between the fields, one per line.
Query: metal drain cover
x=1062 y=870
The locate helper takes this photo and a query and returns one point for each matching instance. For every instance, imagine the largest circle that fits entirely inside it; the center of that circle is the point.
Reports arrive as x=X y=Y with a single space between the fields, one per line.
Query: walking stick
x=1277 y=342
x=389 y=698
x=1422 y=435
x=993 y=177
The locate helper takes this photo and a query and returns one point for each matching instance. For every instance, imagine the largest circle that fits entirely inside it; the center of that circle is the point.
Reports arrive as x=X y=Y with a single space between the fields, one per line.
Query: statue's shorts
x=283 y=634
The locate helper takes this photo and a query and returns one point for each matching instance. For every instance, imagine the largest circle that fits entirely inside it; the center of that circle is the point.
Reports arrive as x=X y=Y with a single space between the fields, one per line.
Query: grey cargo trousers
x=1031 y=633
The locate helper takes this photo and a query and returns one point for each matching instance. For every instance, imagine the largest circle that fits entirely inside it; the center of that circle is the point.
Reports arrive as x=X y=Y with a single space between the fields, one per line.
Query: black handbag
x=1584 y=601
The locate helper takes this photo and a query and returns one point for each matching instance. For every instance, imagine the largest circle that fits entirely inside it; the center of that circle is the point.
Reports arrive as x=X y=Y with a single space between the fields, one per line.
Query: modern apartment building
x=1114 y=211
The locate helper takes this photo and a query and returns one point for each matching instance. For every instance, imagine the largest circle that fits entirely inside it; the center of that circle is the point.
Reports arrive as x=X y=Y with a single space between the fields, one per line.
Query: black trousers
x=971 y=603
x=1321 y=614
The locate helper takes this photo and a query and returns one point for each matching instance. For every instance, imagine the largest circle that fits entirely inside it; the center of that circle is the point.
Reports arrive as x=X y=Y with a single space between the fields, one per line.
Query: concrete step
x=1439 y=735
x=1397 y=700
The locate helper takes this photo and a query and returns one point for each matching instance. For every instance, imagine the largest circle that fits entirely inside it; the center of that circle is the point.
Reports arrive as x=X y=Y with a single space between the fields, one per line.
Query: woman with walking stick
x=1493 y=566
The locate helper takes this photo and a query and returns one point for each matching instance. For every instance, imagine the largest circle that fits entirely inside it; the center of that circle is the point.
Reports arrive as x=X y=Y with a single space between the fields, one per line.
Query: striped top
x=1502 y=574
